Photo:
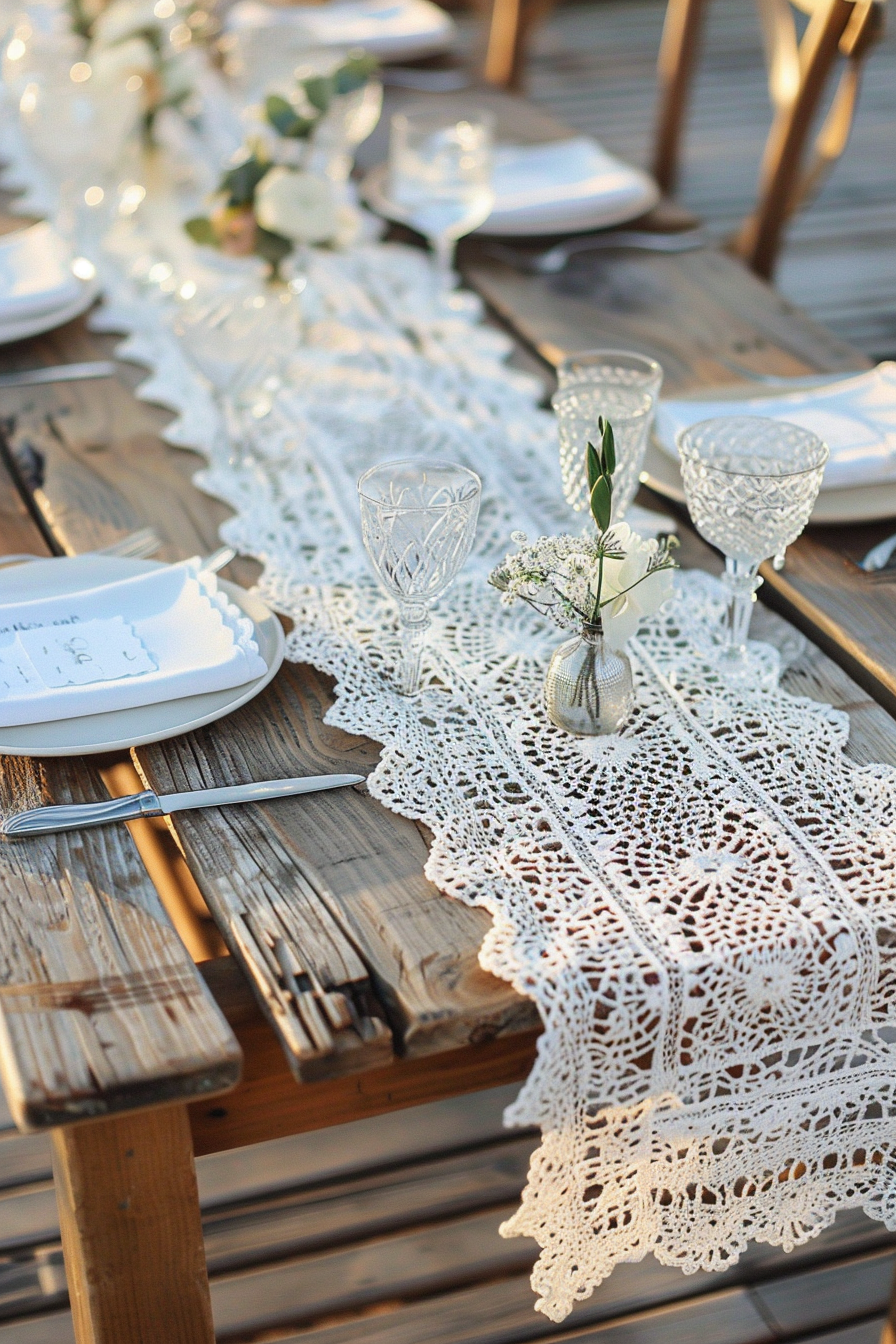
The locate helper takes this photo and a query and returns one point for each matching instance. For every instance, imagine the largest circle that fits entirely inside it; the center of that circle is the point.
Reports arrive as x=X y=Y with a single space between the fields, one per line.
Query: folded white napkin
x=856 y=418
x=388 y=29
x=163 y=634
x=565 y=184
x=35 y=274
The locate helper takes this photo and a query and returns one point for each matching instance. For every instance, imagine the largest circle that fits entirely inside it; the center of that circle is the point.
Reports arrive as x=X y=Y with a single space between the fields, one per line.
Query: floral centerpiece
x=270 y=201
x=149 y=41
x=601 y=586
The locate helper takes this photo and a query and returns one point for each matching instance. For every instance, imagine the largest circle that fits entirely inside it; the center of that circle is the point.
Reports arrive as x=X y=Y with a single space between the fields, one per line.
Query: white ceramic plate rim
x=570 y=217
x=184 y=718
x=37 y=323
x=855 y=504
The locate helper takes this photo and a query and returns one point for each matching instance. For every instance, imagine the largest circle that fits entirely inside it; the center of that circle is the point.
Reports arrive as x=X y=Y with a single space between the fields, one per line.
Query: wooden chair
x=510 y=25
x=838 y=31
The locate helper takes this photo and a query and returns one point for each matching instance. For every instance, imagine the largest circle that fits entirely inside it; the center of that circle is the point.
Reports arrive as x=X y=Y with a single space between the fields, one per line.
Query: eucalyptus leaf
x=201 y=231
x=286 y=120
x=241 y=182
x=319 y=91
x=272 y=247
x=354 y=74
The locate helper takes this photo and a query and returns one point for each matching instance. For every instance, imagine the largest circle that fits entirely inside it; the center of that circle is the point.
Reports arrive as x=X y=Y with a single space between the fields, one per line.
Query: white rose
x=298 y=205
x=113 y=65
x=122 y=18
x=647 y=594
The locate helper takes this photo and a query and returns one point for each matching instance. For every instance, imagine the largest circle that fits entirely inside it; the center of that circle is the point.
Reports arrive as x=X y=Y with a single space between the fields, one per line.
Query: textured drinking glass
x=629 y=411
x=440 y=177
x=612 y=368
x=418 y=521
x=750 y=484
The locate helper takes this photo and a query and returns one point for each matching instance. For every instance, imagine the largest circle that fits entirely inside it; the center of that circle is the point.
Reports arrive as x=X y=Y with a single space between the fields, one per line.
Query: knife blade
x=76 y=816
x=59 y=373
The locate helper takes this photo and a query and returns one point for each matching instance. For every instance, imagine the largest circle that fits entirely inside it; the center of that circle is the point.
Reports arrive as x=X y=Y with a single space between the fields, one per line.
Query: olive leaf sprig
x=567 y=578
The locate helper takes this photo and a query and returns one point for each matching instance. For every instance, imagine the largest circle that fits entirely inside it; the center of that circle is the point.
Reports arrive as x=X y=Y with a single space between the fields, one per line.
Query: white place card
x=85 y=652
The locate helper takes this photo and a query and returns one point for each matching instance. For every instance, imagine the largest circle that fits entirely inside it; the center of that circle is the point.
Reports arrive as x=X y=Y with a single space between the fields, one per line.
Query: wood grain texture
x=337 y=876
x=101 y=1008
x=267 y=1104
x=131 y=1230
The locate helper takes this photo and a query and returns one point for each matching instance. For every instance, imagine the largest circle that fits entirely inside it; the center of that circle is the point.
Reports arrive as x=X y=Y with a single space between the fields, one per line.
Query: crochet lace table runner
x=701 y=907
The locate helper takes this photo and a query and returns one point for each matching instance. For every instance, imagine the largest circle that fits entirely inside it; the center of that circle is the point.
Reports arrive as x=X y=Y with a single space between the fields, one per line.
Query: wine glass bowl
x=751 y=484
x=612 y=368
x=418 y=521
x=578 y=408
x=440 y=176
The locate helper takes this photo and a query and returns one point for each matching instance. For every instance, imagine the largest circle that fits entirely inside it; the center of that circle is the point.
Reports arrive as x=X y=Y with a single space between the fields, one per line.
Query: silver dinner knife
x=75 y=816
x=59 y=373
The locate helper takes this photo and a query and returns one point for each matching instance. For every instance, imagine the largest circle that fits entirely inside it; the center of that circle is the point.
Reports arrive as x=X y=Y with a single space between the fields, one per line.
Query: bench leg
x=131 y=1230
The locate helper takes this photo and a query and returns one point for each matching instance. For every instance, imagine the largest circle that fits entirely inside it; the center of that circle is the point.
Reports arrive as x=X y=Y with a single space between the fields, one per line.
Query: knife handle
x=76 y=816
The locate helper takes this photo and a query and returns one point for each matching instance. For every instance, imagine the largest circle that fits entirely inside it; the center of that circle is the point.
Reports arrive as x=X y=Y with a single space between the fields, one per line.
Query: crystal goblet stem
x=742 y=580
x=414 y=622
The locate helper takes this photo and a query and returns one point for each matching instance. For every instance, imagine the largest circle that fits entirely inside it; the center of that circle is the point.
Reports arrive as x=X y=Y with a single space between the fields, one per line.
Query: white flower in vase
x=297 y=205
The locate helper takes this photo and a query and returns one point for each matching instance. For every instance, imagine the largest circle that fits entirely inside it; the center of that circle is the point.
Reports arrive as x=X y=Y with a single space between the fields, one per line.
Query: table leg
x=888 y=1335
x=131 y=1230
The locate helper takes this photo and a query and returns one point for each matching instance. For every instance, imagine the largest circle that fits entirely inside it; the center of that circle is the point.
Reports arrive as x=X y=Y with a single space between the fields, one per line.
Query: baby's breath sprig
x=611 y=579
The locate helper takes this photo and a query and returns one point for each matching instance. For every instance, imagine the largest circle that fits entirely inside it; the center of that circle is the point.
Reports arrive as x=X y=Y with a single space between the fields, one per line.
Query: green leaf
x=242 y=180
x=592 y=465
x=319 y=91
x=273 y=247
x=201 y=231
x=354 y=74
x=602 y=502
x=286 y=120
x=607 y=447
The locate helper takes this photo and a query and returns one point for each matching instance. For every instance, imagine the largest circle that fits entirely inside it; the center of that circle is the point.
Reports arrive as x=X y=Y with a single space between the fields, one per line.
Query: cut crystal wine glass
x=751 y=484
x=440 y=177
x=418 y=521
x=578 y=408
x=612 y=368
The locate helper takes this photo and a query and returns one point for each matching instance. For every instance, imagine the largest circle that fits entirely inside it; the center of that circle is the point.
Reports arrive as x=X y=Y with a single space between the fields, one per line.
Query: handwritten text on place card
x=85 y=653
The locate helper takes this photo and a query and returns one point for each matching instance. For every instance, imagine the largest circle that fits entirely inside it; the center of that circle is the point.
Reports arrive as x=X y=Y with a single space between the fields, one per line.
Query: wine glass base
x=756 y=667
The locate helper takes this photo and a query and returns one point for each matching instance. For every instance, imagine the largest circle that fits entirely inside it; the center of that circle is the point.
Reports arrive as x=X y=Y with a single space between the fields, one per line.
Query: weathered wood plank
x=267 y=1104
x=339 y=875
x=101 y=1008
x=131 y=1230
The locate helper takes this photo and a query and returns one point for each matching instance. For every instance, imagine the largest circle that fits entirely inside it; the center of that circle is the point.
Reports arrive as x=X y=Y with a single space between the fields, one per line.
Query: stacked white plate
x=563 y=186
x=38 y=290
x=854 y=414
x=391 y=30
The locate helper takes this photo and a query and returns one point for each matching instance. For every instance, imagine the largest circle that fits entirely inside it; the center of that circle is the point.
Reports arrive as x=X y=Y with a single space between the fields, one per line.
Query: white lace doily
x=701 y=907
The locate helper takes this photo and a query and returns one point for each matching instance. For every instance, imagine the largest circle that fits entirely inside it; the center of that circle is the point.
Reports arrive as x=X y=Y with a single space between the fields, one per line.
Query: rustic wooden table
x=110 y=1033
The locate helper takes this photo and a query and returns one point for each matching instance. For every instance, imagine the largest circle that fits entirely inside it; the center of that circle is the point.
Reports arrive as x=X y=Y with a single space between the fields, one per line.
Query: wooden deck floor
x=594 y=65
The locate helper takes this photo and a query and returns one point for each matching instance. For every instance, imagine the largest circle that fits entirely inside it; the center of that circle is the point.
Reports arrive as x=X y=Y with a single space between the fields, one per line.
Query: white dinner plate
x=842 y=504
x=125 y=728
x=390 y=30
x=34 y=325
x=853 y=504
x=565 y=186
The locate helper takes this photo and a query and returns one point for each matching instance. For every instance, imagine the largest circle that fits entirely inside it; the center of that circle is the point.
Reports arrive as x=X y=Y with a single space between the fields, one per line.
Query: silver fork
x=145 y=541
x=555 y=258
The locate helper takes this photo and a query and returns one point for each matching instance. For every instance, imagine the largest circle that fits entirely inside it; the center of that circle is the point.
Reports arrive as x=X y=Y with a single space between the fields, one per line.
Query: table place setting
x=684 y=871
x=854 y=414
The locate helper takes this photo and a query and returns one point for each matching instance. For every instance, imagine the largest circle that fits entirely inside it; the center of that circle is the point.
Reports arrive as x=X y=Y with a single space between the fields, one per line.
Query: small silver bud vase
x=588 y=688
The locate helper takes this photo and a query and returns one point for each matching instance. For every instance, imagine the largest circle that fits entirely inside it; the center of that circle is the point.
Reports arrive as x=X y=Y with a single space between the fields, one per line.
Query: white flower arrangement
x=611 y=580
